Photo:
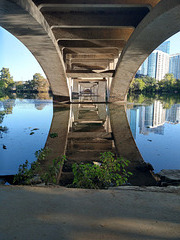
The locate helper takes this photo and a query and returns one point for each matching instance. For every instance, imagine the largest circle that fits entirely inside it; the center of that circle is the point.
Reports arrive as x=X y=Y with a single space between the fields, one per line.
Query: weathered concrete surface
x=75 y=214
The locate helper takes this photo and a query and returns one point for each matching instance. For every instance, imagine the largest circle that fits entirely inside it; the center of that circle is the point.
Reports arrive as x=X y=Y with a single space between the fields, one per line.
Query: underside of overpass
x=89 y=47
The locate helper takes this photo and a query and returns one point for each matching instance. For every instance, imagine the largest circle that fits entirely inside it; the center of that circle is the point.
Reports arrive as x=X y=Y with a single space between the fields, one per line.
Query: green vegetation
x=37 y=84
x=109 y=172
x=27 y=172
x=7 y=86
x=53 y=135
x=150 y=85
x=52 y=175
x=6 y=81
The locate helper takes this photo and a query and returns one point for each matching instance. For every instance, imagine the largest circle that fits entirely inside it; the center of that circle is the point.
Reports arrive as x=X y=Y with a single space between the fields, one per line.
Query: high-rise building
x=152 y=61
x=164 y=47
x=174 y=65
x=144 y=67
x=157 y=64
x=162 y=65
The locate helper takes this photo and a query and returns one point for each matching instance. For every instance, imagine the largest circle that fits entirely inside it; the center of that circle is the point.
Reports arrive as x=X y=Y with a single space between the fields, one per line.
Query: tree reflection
x=6 y=107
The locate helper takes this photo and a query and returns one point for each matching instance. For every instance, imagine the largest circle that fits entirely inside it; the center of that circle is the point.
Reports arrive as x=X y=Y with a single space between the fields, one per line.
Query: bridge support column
x=102 y=91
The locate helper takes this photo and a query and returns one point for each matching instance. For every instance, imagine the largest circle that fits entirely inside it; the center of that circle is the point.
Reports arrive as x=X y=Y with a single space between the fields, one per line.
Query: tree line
x=147 y=84
x=7 y=84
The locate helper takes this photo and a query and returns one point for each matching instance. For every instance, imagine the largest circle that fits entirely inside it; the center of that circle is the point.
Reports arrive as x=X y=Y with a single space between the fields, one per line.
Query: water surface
x=156 y=129
x=26 y=123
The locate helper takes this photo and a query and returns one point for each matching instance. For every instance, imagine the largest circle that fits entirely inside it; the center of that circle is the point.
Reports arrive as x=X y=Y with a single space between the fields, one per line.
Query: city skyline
x=160 y=62
x=22 y=64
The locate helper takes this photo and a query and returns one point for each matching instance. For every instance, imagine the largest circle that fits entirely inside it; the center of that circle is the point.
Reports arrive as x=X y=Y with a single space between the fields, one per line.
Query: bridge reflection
x=86 y=130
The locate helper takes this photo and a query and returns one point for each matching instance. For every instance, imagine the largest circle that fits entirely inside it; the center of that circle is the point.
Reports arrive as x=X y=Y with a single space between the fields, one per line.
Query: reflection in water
x=18 y=144
x=152 y=118
x=89 y=135
x=5 y=108
x=86 y=130
x=158 y=127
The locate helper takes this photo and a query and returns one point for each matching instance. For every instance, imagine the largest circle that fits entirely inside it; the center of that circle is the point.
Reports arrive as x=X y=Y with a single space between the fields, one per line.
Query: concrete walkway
x=50 y=213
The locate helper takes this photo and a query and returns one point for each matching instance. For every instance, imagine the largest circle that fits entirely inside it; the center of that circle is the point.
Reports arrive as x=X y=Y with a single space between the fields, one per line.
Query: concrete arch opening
x=23 y=20
x=17 y=58
x=160 y=24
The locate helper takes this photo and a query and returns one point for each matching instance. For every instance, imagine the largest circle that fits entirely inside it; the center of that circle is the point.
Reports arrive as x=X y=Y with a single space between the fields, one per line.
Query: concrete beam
x=47 y=3
x=122 y=17
x=113 y=51
x=96 y=34
x=82 y=57
x=159 y=25
x=89 y=74
x=119 y=44
x=90 y=65
x=91 y=61
x=89 y=79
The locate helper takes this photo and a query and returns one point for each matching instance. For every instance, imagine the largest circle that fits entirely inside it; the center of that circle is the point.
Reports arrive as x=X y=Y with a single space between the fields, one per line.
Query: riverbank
x=74 y=214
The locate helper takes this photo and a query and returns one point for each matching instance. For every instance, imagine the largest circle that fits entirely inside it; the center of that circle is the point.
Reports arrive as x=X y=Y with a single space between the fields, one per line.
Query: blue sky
x=15 y=56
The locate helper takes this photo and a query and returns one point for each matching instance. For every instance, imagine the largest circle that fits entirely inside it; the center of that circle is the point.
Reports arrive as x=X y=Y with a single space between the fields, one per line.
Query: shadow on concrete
x=75 y=214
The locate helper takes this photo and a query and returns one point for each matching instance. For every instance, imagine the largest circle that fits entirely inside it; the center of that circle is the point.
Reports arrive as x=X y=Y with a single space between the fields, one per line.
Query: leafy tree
x=150 y=85
x=40 y=82
x=6 y=80
x=169 y=77
x=137 y=84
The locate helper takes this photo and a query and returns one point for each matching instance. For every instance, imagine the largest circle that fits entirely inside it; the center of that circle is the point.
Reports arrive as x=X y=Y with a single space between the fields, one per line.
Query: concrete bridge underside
x=88 y=41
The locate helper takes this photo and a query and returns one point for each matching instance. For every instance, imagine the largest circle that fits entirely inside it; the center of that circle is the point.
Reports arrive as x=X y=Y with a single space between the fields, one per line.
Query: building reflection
x=151 y=118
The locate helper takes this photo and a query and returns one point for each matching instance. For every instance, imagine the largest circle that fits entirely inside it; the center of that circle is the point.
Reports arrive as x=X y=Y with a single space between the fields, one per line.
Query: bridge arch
x=161 y=23
x=75 y=39
x=23 y=20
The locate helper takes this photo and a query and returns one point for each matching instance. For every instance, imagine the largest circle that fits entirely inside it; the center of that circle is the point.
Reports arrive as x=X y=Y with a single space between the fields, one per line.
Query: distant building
x=157 y=64
x=162 y=65
x=164 y=47
x=144 y=67
x=174 y=65
x=152 y=61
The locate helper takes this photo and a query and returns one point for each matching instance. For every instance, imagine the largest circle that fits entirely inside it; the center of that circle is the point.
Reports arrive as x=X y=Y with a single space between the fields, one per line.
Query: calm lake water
x=156 y=131
x=19 y=141
x=25 y=124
